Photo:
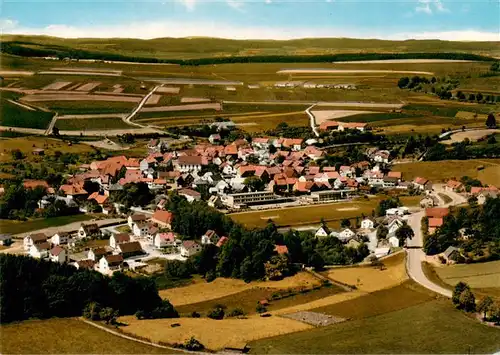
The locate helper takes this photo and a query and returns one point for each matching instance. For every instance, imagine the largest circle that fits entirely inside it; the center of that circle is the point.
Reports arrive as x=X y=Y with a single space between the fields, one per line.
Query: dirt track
x=349 y=71
x=471 y=135
x=214 y=106
x=56 y=85
x=99 y=115
x=409 y=61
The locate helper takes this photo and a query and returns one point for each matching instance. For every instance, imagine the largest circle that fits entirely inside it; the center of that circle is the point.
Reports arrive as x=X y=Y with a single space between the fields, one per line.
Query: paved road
x=128 y=119
x=313 y=120
x=415 y=257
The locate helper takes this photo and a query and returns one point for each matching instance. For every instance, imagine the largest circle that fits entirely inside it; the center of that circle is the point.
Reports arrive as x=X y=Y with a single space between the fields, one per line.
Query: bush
x=195 y=315
x=108 y=315
x=236 y=312
x=260 y=308
x=92 y=311
x=193 y=345
x=276 y=296
x=216 y=313
x=210 y=276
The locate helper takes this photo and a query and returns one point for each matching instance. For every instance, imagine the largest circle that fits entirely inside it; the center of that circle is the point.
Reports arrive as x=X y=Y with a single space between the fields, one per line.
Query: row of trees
x=478 y=223
x=43 y=289
x=463 y=298
x=462 y=151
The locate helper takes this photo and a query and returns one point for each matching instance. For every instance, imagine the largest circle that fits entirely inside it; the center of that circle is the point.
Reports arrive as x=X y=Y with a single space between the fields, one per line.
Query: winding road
x=415 y=254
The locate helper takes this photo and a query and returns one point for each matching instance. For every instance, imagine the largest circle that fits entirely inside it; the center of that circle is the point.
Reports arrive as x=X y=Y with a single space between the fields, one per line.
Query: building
x=281 y=249
x=60 y=238
x=393 y=241
x=322 y=232
x=141 y=229
x=437 y=212
x=188 y=163
x=189 y=247
x=367 y=223
x=118 y=238
x=249 y=198
x=190 y=195
x=451 y=255
x=110 y=263
x=33 y=239
x=435 y=223
x=135 y=218
x=96 y=254
x=85 y=264
x=346 y=234
x=130 y=249
x=40 y=250
x=483 y=196
x=89 y=231
x=165 y=240
x=454 y=186
x=210 y=237
x=329 y=195
x=58 y=255
x=222 y=241
x=163 y=218
x=215 y=201
x=422 y=184
x=394 y=225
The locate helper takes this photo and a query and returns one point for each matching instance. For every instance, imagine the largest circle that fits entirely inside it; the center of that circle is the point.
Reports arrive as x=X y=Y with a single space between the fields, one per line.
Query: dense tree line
x=29 y=49
x=462 y=151
x=479 y=225
x=32 y=288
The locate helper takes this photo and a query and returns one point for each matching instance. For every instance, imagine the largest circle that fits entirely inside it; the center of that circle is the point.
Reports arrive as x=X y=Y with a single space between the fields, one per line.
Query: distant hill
x=199 y=47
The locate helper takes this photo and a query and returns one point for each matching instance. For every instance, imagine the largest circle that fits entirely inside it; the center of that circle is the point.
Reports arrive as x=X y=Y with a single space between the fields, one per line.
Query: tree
x=491 y=121
x=260 y=308
x=382 y=232
x=472 y=97
x=108 y=315
x=485 y=306
x=92 y=311
x=345 y=223
x=17 y=154
x=479 y=96
x=254 y=183
x=277 y=267
x=55 y=131
x=177 y=269
x=403 y=233
x=403 y=82
x=252 y=159
x=495 y=66
x=216 y=313
x=467 y=301
x=236 y=312
x=193 y=345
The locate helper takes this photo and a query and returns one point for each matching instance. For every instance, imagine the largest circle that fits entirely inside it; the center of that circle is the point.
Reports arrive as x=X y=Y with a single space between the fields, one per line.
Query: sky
x=468 y=20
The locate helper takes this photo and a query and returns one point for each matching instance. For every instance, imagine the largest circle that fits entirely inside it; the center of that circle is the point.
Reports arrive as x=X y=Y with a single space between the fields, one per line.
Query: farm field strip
x=154 y=119
x=321 y=116
x=79 y=97
x=210 y=106
x=473 y=136
x=98 y=115
x=56 y=85
x=153 y=100
x=21 y=105
x=349 y=71
x=88 y=70
x=16 y=72
x=88 y=86
x=193 y=99
x=168 y=90
x=411 y=61
x=70 y=72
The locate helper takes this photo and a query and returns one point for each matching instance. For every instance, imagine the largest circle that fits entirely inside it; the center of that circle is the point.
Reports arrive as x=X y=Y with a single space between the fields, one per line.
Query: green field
x=15 y=227
x=91 y=123
x=67 y=336
x=88 y=107
x=433 y=327
x=13 y=115
x=480 y=275
x=247 y=300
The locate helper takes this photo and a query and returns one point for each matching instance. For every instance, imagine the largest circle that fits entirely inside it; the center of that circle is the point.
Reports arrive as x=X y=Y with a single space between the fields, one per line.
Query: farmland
x=443 y=170
x=480 y=275
x=393 y=333
x=14 y=115
x=91 y=123
x=16 y=227
x=73 y=337
x=307 y=215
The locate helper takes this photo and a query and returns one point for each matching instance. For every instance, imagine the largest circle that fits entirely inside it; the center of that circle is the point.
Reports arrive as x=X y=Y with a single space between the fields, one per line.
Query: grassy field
x=13 y=115
x=91 y=123
x=331 y=213
x=480 y=275
x=201 y=291
x=490 y=175
x=247 y=300
x=369 y=279
x=448 y=169
x=15 y=227
x=67 y=336
x=416 y=329
x=87 y=107
x=410 y=201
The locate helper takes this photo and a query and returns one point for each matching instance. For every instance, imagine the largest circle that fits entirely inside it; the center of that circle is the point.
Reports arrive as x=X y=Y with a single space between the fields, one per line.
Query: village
x=261 y=174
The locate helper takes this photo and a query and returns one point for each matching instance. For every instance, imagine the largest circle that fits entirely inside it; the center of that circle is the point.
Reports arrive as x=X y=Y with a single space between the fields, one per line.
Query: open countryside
x=162 y=192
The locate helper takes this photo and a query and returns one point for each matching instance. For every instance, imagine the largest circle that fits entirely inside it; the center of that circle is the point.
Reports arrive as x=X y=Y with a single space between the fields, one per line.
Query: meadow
x=87 y=107
x=67 y=336
x=16 y=227
x=13 y=115
x=91 y=123
x=294 y=216
x=415 y=329
x=480 y=275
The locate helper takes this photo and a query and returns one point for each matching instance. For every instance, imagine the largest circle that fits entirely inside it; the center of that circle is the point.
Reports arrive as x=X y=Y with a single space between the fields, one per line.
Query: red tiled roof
x=167 y=236
x=130 y=247
x=437 y=212
x=190 y=160
x=73 y=190
x=435 y=222
x=421 y=181
x=122 y=237
x=31 y=184
x=56 y=250
x=395 y=174
x=222 y=241
x=281 y=249
x=163 y=217
x=328 y=124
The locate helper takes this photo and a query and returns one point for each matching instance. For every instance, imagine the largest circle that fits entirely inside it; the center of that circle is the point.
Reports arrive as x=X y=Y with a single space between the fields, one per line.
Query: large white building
x=245 y=198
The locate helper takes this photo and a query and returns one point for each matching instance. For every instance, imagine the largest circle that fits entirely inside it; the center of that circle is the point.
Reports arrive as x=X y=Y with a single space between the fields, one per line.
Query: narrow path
x=128 y=119
x=121 y=335
x=313 y=120
x=49 y=129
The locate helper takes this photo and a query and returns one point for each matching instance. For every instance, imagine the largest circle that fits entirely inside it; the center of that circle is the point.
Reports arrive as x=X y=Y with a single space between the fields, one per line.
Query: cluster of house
x=395 y=218
x=481 y=193
x=313 y=85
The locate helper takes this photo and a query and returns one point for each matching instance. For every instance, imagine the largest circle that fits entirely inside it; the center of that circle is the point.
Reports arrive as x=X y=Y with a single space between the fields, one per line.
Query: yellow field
x=481 y=275
x=222 y=287
x=369 y=279
x=443 y=170
x=333 y=212
x=214 y=334
x=490 y=175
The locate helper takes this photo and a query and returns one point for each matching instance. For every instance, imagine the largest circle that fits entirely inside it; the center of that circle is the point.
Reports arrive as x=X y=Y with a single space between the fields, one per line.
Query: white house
x=135 y=218
x=398 y=211
x=118 y=238
x=380 y=252
x=32 y=239
x=190 y=195
x=215 y=201
x=346 y=234
x=367 y=223
x=189 y=247
x=394 y=225
x=322 y=232
x=96 y=253
x=110 y=263
x=89 y=231
x=40 y=251
x=60 y=238
x=140 y=229
x=165 y=240
x=58 y=254
x=394 y=241
x=210 y=237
